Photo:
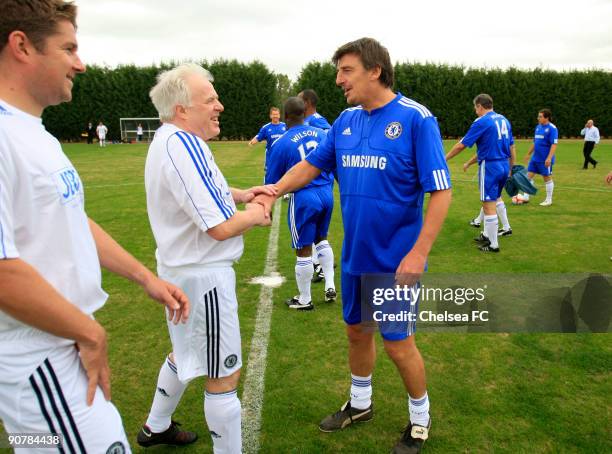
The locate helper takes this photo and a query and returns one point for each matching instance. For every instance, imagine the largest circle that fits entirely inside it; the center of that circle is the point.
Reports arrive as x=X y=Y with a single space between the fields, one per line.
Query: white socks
x=222 y=413
x=361 y=392
x=419 y=410
x=478 y=219
x=490 y=229
x=303 y=276
x=550 y=185
x=169 y=392
x=500 y=207
x=525 y=195
x=326 y=257
x=315 y=255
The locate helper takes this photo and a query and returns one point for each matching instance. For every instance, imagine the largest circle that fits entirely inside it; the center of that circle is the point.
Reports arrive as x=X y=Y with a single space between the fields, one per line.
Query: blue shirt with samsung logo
x=385 y=161
x=291 y=148
x=492 y=134
x=318 y=121
x=270 y=132
x=545 y=137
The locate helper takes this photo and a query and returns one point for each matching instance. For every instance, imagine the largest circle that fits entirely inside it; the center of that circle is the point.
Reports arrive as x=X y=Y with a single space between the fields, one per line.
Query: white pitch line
x=253 y=391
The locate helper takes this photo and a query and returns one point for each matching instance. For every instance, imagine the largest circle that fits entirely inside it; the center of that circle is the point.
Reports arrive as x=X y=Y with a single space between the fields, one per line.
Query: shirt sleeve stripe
x=200 y=172
x=210 y=175
x=443 y=180
x=446 y=179
x=185 y=186
x=207 y=172
x=436 y=179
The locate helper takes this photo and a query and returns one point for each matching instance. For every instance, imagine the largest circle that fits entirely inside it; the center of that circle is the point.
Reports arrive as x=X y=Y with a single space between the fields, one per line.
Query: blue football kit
x=270 y=132
x=385 y=161
x=310 y=208
x=318 y=121
x=544 y=138
x=492 y=134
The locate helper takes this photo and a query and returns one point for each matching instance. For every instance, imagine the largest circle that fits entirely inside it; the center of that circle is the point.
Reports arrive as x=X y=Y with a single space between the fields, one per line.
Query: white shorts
x=209 y=343
x=53 y=400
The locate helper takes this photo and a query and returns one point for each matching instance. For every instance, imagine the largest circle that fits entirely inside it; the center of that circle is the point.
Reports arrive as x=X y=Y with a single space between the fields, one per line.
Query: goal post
x=129 y=128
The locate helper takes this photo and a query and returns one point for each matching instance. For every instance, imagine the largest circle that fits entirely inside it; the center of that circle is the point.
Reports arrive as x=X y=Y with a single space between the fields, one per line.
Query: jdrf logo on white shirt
x=68 y=184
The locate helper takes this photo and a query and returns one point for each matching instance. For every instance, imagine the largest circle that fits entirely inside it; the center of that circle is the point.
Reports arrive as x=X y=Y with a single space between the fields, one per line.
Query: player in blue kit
x=310 y=208
x=311 y=116
x=387 y=151
x=492 y=134
x=270 y=132
x=543 y=149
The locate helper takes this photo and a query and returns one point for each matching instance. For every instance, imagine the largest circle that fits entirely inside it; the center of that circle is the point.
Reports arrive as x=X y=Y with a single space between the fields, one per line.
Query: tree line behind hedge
x=247 y=90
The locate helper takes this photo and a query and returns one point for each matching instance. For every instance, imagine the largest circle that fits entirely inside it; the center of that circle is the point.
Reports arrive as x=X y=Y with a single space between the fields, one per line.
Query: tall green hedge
x=448 y=91
x=247 y=90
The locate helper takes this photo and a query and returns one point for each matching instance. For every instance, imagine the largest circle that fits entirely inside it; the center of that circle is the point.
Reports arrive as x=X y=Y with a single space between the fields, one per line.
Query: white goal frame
x=128 y=125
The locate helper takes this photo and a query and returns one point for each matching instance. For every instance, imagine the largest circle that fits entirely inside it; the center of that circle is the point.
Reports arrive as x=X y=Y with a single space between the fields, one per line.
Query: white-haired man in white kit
x=198 y=232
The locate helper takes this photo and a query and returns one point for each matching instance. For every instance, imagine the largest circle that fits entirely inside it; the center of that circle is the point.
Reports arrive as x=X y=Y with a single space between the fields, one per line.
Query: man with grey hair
x=198 y=232
x=492 y=134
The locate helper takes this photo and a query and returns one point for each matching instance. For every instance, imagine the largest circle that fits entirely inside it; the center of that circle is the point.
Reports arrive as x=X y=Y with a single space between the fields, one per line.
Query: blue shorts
x=309 y=215
x=353 y=314
x=492 y=176
x=540 y=168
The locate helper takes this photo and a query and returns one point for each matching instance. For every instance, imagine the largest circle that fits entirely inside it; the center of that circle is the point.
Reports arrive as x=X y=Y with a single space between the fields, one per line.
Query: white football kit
x=43 y=223
x=186 y=195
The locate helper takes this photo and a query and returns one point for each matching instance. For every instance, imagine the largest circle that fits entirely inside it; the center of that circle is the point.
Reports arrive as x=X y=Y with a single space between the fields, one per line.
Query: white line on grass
x=253 y=392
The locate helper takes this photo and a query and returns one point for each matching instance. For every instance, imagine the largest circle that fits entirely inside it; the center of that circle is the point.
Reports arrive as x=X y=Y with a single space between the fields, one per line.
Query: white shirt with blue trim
x=42 y=222
x=186 y=195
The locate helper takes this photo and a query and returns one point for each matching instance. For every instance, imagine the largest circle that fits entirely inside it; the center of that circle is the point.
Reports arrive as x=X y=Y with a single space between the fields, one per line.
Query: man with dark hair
x=543 y=148
x=54 y=373
x=310 y=208
x=492 y=134
x=311 y=116
x=269 y=132
x=591 y=138
x=388 y=152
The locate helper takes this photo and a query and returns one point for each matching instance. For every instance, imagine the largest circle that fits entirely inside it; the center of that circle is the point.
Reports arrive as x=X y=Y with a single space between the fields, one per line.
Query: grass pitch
x=489 y=392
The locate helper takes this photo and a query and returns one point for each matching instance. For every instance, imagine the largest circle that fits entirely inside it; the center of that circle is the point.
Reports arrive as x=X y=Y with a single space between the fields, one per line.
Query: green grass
x=489 y=392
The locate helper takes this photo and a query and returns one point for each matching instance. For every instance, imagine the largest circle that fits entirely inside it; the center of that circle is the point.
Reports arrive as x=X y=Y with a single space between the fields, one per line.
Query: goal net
x=129 y=128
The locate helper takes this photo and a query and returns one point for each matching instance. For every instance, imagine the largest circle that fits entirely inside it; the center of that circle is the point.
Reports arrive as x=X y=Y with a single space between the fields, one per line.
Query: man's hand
x=609 y=178
x=267 y=202
x=526 y=159
x=94 y=358
x=170 y=296
x=548 y=162
x=410 y=269
x=259 y=213
x=466 y=166
x=248 y=195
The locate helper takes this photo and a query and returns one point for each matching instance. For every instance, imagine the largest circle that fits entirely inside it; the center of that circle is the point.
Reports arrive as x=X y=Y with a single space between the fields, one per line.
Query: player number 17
x=502 y=129
x=310 y=145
